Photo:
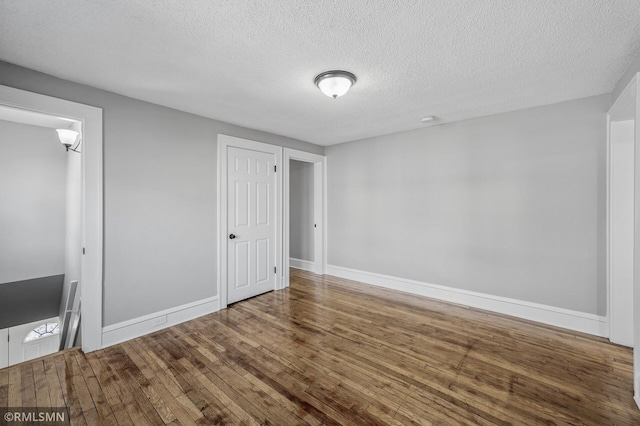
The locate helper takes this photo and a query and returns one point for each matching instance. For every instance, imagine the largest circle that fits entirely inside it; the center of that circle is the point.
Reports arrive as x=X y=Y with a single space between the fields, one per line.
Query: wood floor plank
x=43 y=398
x=212 y=401
x=337 y=352
x=283 y=381
x=53 y=383
x=140 y=408
x=79 y=385
x=105 y=377
x=4 y=387
x=28 y=386
x=14 y=388
x=308 y=408
x=233 y=382
x=108 y=381
x=102 y=409
x=156 y=387
x=65 y=370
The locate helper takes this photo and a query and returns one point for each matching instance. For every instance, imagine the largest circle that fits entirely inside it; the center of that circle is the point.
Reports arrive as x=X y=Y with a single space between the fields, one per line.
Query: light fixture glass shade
x=67 y=137
x=335 y=83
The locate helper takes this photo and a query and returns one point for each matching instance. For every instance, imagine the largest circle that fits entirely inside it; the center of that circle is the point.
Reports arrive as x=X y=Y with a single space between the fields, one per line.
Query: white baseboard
x=559 y=317
x=637 y=400
x=127 y=330
x=304 y=264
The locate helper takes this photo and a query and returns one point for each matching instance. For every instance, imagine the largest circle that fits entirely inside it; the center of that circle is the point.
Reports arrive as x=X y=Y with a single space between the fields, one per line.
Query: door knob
x=231 y=236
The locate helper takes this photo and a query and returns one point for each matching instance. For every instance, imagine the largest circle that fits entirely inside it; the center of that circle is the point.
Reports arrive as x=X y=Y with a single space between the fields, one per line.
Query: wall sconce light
x=69 y=138
x=335 y=83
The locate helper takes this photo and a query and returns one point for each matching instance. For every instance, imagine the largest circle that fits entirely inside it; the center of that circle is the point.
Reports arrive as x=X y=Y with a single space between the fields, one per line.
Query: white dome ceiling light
x=335 y=83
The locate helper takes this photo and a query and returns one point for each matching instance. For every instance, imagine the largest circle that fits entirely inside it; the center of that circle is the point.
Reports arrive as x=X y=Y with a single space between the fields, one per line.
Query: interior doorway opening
x=41 y=223
x=623 y=219
x=302 y=223
x=86 y=254
x=304 y=212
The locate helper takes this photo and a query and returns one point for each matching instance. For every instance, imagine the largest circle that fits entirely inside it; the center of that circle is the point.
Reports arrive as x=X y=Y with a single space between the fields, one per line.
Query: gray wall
x=301 y=210
x=32 y=202
x=511 y=205
x=159 y=195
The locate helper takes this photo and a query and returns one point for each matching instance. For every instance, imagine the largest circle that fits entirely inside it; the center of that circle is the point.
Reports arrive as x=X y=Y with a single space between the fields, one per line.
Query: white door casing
x=621 y=230
x=92 y=198
x=622 y=320
x=249 y=219
x=319 y=209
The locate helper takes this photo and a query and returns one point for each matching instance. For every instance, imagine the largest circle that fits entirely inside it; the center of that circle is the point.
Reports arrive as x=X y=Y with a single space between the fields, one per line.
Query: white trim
x=91 y=263
x=619 y=290
x=559 y=317
x=319 y=211
x=305 y=265
x=627 y=100
x=636 y=244
x=225 y=141
x=325 y=218
x=146 y=324
x=608 y=242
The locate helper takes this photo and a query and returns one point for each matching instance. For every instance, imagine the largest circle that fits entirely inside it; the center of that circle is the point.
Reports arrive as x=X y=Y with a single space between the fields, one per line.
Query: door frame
x=626 y=107
x=224 y=142
x=319 y=209
x=616 y=114
x=620 y=187
x=91 y=262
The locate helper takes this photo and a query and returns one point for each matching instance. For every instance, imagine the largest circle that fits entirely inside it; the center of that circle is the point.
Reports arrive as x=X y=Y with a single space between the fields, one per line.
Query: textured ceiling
x=253 y=63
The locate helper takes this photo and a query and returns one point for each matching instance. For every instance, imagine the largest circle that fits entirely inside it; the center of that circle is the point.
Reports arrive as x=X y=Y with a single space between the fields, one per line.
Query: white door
x=251 y=223
x=33 y=340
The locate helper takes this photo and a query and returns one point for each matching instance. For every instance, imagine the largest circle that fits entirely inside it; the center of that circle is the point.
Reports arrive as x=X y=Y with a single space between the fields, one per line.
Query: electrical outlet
x=158 y=321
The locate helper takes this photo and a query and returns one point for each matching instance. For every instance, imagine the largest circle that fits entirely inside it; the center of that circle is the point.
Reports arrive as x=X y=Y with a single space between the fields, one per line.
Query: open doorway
x=304 y=212
x=52 y=209
x=41 y=223
x=623 y=231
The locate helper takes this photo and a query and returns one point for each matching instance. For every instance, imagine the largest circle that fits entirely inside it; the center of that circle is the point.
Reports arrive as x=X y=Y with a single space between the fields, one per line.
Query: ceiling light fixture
x=68 y=138
x=335 y=83
x=428 y=118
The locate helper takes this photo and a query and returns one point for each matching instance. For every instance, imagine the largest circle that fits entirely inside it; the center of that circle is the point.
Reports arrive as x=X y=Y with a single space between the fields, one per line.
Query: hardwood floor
x=332 y=351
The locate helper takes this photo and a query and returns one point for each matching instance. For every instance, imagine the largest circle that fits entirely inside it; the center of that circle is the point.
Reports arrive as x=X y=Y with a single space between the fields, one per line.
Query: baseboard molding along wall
x=551 y=315
x=306 y=265
x=127 y=330
x=559 y=317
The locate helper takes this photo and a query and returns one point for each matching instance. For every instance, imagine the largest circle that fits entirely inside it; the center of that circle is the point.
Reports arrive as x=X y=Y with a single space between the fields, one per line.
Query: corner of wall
x=632 y=70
